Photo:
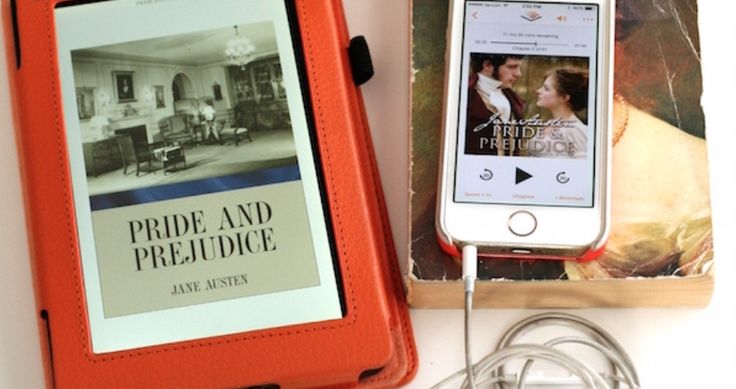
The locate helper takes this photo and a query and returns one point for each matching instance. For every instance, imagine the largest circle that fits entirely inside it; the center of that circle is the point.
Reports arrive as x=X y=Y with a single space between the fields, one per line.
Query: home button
x=522 y=223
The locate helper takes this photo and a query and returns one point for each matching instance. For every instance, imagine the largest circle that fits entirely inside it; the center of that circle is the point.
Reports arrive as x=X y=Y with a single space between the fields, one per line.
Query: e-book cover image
x=526 y=113
x=151 y=170
x=195 y=183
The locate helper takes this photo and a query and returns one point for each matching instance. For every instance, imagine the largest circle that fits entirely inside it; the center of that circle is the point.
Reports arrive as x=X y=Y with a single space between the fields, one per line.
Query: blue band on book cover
x=197 y=195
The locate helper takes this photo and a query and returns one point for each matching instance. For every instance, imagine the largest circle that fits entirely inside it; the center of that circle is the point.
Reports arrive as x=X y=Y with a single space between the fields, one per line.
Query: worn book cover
x=661 y=239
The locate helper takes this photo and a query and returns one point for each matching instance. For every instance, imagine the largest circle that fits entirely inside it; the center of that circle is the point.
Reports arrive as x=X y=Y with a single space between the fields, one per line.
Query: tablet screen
x=197 y=188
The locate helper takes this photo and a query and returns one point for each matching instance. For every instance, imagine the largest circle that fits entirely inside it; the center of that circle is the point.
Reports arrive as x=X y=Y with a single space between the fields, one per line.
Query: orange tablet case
x=371 y=347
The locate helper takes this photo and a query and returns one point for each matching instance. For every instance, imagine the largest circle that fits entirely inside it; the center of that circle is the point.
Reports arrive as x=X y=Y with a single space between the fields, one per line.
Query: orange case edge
x=376 y=332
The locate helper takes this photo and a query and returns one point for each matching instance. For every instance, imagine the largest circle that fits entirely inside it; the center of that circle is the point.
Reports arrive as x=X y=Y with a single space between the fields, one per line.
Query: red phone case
x=374 y=339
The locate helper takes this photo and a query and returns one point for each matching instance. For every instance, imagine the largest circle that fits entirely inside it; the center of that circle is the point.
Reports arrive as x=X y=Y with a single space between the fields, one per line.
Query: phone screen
x=197 y=189
x=527 y=127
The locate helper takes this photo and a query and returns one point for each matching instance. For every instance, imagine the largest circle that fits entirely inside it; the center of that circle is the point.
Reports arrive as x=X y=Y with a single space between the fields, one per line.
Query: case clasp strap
x=360 y=60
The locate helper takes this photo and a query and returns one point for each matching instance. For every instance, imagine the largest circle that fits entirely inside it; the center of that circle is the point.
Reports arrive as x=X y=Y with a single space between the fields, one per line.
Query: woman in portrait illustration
x=660 y=187
x=564 y=92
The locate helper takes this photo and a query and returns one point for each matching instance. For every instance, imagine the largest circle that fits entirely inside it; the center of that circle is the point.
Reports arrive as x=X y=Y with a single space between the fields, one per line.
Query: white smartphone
x=525 y=163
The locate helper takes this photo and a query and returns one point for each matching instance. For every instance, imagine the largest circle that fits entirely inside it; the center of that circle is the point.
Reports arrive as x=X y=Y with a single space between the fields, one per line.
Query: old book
x=660 y=248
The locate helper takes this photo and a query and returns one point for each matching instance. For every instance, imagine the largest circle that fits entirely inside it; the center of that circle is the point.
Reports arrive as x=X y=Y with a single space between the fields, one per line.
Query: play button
x=522 y=176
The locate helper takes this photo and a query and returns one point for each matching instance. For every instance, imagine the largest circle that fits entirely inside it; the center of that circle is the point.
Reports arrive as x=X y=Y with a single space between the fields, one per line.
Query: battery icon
x=588 y=8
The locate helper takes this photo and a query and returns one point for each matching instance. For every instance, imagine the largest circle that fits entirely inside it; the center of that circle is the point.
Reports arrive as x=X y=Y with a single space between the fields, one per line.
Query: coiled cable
x=490 y=372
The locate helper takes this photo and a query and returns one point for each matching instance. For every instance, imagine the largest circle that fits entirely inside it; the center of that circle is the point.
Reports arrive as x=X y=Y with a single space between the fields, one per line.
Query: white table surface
x=675 y=348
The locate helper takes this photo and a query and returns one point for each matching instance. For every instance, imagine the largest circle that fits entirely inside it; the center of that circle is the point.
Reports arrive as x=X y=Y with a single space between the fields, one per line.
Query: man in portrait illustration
x=493 y=106
x=125 y=88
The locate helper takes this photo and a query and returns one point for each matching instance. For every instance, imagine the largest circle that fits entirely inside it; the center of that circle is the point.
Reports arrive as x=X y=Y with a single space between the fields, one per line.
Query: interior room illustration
x=182 y=107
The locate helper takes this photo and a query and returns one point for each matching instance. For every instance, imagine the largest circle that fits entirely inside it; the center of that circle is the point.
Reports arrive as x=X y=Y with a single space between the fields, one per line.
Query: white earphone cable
x=489 y=371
